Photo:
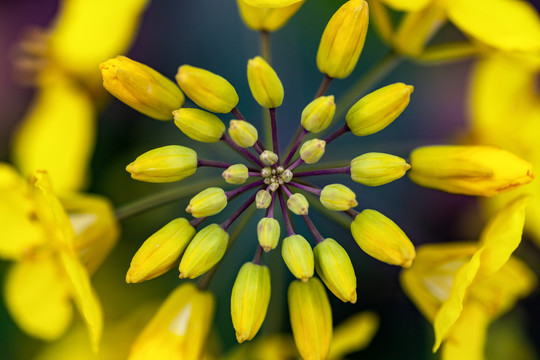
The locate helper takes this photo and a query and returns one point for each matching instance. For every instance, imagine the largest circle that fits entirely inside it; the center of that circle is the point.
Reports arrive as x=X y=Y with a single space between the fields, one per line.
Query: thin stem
x=270 y=212
x=254 y=173
x=316 y=234
x=340 y=170
x=257 y=260
x=225 y=225
x=197 y=221
x=205 y=282
x=295 y=147
x=241 y=150
x=212 y=163
x=286 y=217
x=352 y=213
x=273 y=123
x=265 y=45
x=237 y=114
x=234 y=193
x=325 y=84
x=333 y=136
x=257 y=148
x=310 y=189
x=287 y=191
x=295 y=164
x=260 y=144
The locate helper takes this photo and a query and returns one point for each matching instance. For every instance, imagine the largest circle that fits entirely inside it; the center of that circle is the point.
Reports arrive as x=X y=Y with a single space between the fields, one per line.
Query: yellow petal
x=407 y=5
x=353 y=334
x=271 y=3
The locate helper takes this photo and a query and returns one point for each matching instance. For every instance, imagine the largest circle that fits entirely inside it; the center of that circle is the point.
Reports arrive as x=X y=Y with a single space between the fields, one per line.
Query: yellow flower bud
x=236 y=174
x=249 y=300
x=268 y=157
x=159 y=253
x=298 y=204
x=141 y=87
x=311 y=318
x=179 y=328
x=382 y=239
x=206 y=89
x=243 y=133
x=335 y=268
x=264 y=83
x=470 y=170
x=377 y=110
x=343 y=39
x=207 y=203
x=265 y=18
x=374 y=169
x=164 y=164
x=338 y=197
x=312 y=151
x=287 y=175
x=318 y=114
x=268 y=231
x=263 y=199
x=204 y=251
x=271 y=3
x=199 y=124
x=298 y=256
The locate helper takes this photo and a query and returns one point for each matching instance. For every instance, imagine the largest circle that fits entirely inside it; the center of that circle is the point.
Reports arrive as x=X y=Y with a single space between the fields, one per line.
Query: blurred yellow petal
x=353 y=334
x=407 y=5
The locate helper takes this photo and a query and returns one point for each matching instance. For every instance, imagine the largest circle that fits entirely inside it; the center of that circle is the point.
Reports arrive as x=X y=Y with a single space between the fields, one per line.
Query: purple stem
x=241 y=150
x=333 y=136
x=237 y=114
x=261 y=145
x=325 y=84
x=295 y=147
x=270 y=212
x=233 y=193
x=287 y=191
x=341 y=170
x=273 y=122
x=313 y=229
x=212 y=163
x=352 y=213
x=258 y=148
x=196 y=222
x=285 y=213
x=306 y=188
x=254 y=173
x=295 y=164
x=238 y=212
x=257 y=260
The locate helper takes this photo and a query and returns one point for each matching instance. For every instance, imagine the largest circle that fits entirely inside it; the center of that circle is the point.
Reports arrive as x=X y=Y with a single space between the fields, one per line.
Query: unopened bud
x=287 y=175
x=312 y=151
x=268 y=231
x=266 y=172
x=338 y=197
x=199 y=125
x=263 y=199
x=207 y=203
x=265 y=18
x=243 y=133
x=318 y=114
x=264 y=83
x=298 y=204
x=268 y=158
x=298 y=256
x=236 y=174
x=374 y=169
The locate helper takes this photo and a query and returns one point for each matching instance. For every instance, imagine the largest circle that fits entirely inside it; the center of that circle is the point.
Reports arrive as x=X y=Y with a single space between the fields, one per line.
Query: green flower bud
x=268 y=231
x=338 y=197
x=287 y=175
x=318 y=114
x=264 y=83
x=312 y=151
x=266 y=172
x=199 y=124
x=374 y=169
x=236 y=174
x=208 y=202
x=268 y=158
x=243 y=133
x=263 y=199
x=298 y=256
x=298 y=204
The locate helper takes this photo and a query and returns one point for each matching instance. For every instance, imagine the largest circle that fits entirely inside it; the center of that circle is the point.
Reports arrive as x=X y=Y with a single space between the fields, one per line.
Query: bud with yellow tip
x=265 y=18
x=312 y=150
x=207 y=203
x=268 y=157
x=311 y=318
x=377 y=110
x=335 y=268
x=159 y=253
x=298 y=256
x=264 y=83
x=263 y=199
x=318 y=114
x=199 y=125
x=206 y=89
x=164 y=164
x=249 y=300
x=470 y=170
x=141 y=87
x=374 y=169
x=236 y=174
x=268 y=231
x=243 y=133
x=298 y=204
x=338 y=197
x=204 y=251
x=343 y=39
x=382 y=239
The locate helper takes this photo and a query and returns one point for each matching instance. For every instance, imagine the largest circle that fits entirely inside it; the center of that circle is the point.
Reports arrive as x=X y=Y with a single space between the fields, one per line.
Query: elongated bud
x=207 y=203
x=374 y=169
x=204 y=251
x=206 y=89
x=263 y=199
x=268 y=231
x=271 y=3
x=199 y=124
x=298 y=204
x=164 y=164
x=338 y=197
x=264 y=83
x=377 y=110
x=249 y=300
x=264 y=18
x=318 y=114
x=335 y=268
x=141 y=87
x=343 y=39
x=311 y=318
x=298 y=256
x=236 y=174
x=160 y=252
x=470 y=170
x=243 y=133
x=382 y=239
x=268 y=157
x=312 y=150
x=179 y=327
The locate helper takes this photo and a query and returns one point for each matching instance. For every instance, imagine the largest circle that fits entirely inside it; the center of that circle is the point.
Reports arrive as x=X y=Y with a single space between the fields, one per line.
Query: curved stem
x=316 y=234
x=341 y=170
x=295 y=147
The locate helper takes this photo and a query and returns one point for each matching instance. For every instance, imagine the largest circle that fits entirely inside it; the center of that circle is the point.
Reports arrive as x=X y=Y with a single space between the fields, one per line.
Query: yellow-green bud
x=263 y=199
x=268 y=231
x=311 y=318
x=141 y=87
x=374 y=169
x=243 y=133
x=470 y=170
x=312 y=151
x=206 y=89
x=266 y=172
x=335 y=268
x=164 y=164
x=207 y=203
x=287 y=175
x=318 y=114
x=264 y=83
x=265 y=18
x=249 y=300
x=298 y=256
x=338 y=197
x=236 y=174
x=204 y=251
x=199 y=124
x=377 y=110
x=298 y=204
x=343 y=39
x=268 y=157
x=382 y=239
x=271 y=3
x=159 y=253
